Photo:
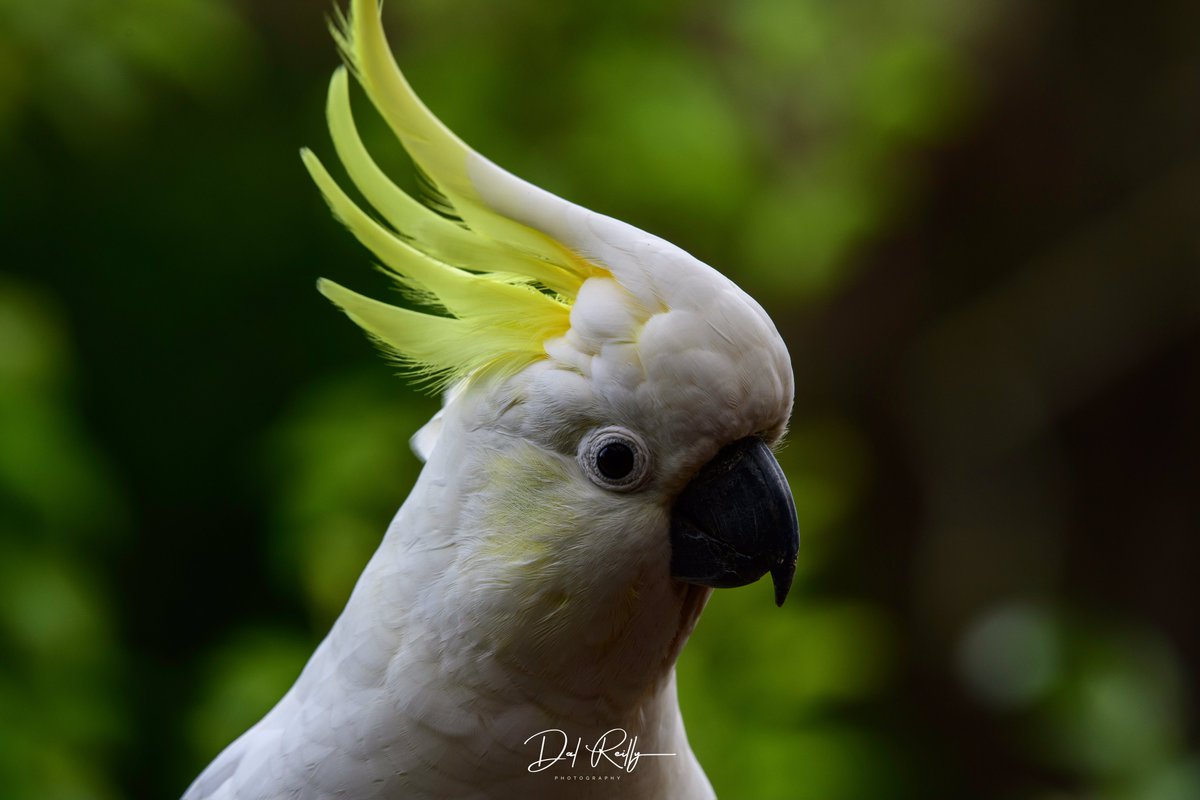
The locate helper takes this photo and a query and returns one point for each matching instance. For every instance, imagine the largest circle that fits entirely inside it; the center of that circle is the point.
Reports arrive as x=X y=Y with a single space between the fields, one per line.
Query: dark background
x=976 y=224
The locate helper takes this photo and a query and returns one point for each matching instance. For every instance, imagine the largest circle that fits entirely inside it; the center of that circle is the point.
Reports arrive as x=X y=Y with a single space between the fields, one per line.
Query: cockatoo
x=601 y=462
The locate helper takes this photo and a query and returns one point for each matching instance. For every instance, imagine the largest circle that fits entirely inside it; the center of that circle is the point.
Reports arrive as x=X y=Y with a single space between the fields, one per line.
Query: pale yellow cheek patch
x=529 y=514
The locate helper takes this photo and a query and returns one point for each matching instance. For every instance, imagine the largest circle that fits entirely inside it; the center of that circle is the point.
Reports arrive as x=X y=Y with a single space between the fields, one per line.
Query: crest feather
x=508 y=288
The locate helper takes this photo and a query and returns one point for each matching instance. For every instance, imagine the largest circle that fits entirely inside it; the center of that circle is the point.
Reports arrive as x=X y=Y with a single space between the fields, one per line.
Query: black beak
x=736 y=521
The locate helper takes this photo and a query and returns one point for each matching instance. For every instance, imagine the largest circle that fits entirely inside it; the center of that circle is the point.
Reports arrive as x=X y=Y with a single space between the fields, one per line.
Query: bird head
x=612 y=401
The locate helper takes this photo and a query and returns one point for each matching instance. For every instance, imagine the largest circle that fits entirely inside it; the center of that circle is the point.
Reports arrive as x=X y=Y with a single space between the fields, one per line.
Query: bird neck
x=604 y=664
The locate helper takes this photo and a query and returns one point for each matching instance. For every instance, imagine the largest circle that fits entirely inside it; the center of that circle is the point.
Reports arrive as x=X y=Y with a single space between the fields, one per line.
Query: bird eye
x=614 y=458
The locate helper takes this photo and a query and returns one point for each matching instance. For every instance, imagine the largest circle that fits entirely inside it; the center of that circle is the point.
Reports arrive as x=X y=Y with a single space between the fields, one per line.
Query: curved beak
x=736 y=521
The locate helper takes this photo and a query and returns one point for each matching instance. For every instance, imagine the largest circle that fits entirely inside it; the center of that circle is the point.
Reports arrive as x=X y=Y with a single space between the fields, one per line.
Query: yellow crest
x=505 y=288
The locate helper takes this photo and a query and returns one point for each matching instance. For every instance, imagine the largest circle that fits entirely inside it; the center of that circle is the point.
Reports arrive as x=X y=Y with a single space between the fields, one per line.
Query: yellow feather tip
x=504 y=287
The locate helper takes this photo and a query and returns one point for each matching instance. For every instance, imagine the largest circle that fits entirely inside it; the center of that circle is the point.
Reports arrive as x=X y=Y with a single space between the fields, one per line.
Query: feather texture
x=512 y=594
x=508 y=288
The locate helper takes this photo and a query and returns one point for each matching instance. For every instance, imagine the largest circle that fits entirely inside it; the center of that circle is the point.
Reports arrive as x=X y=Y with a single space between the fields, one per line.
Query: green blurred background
x=976 y=223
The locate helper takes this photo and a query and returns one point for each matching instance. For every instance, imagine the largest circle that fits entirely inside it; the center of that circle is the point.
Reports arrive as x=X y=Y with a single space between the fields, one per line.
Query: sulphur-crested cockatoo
x=601 y=461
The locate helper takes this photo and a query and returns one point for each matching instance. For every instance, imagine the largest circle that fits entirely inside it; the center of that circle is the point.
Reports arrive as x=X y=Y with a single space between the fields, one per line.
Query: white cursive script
x=615 y=746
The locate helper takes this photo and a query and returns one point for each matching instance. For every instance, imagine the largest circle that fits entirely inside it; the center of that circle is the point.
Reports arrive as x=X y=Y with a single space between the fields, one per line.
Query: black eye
x=615 y=458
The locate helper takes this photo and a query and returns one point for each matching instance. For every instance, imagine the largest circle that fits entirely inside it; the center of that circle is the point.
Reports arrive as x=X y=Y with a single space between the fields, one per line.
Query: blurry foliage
x=763 y=701
x=1102 y=700
x=826 y=462
x=60 y=667
x=779 y=133
x=853 y=99
x=89 y=65
x=170 y=336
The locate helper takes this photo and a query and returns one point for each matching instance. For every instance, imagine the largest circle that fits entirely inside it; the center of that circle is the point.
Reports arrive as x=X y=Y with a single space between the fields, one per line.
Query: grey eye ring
x=615 y=458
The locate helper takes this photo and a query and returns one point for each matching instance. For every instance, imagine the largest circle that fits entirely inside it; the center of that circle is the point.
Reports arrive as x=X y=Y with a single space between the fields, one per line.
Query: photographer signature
x=615 y=746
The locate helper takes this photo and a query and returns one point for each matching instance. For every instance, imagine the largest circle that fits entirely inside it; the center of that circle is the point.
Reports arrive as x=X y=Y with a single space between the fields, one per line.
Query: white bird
x=601 y=461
